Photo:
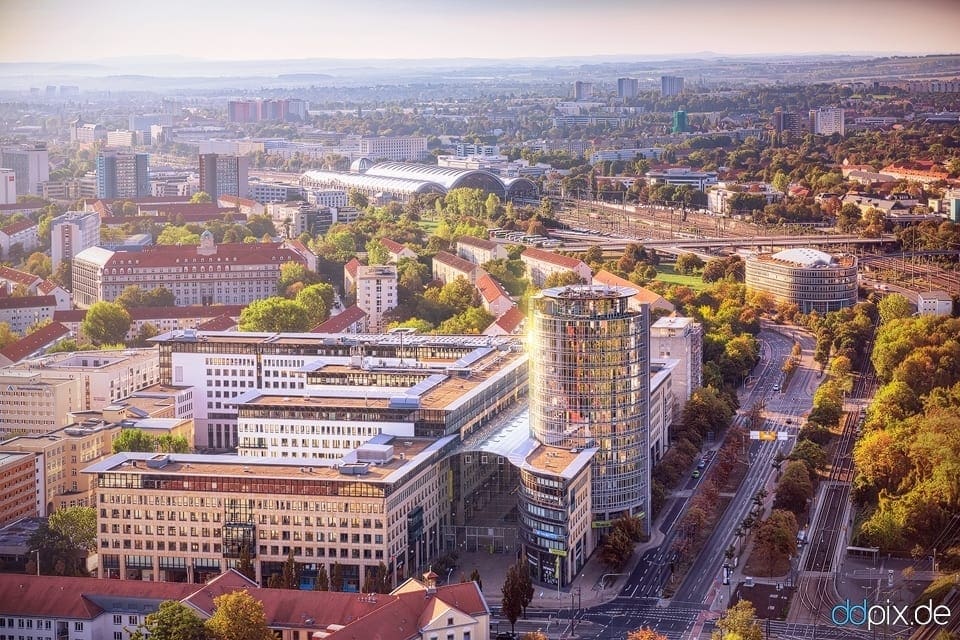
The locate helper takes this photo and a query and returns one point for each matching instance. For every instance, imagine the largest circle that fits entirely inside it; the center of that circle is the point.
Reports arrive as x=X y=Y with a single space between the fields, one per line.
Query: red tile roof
x=220 y=323
x=342 y=321
x=236 y=201
x=643 y=294
x=551 y=257
x=392 y=245
x=510 y=320
x=32 y=343
x=17 y=227
x=455 y=262
x=27 y=302
x=351 y=267
x=489 y=288
x=234 y=253
x=20 y=277
x=47 y=286
x=480 y=243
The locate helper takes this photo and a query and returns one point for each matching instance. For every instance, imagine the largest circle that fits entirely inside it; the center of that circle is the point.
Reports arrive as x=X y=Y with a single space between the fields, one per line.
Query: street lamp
x=37 y=551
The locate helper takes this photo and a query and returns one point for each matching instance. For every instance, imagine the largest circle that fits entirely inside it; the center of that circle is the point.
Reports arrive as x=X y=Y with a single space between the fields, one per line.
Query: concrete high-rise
x=8 y=186
x=627 y=88
x=71 y=233
x=582 y=90
x=671 y=85
x=31 y=164
x=590 y=387
x=122 y=174
x=224 y=175
x=827 y=121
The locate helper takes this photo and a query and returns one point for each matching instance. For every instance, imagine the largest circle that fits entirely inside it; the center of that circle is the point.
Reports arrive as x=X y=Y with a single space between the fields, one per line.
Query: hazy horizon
x=102 y=31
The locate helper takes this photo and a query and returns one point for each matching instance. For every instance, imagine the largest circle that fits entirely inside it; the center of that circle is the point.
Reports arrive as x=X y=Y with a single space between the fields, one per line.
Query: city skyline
x=430 y=29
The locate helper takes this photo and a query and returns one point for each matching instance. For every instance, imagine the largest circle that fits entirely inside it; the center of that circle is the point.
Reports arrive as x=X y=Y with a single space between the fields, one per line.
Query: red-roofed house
x=309 y=257
x=51 y=288
x=245 y=206
x=21 y=312
x=919 y=171
x=350 y=275
x=542 y=264
x=643 y=295
x=235 y=273
x=97 y=609
x=34 y=343
x=353 y=319
x=396 y=250
x=510 y=323
x=10 y=278
x=448 y=267
x=220 y=323
x=493 y=296
x=23 y=233
x=480 y=251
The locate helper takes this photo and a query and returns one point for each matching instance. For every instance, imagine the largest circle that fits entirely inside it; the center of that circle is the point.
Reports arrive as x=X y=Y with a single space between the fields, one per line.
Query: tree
x=173 y=620
x=38 y=264
x=293 y=272
x=561 y=279
x=794 y=488
x=739 y=623
x=134 y=440
x=77 y=526
x=64 y=540
x=645 y=634
x=275 y=315
x=238 y=616
x=201 y=197
x=377 y=253
x=7 y=335
x=512 y=603
x=358 y=199
x=475 y=577
x=525 y=585
x=245 y=563
x=317 y=299
x=290 y=576
x=894 y=307
x=169 y=443
x=776 y=537
x=688 y=263
x=322 y=582
x=105 y=323
x=173 y=234
x=336 y=577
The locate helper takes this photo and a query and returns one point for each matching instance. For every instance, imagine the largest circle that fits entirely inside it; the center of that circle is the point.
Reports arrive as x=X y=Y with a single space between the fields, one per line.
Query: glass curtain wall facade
x=590 y=387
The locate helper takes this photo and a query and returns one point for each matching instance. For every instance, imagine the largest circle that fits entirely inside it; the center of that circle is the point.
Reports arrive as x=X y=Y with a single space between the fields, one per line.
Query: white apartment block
x=8 y=186
x=827 y=121
x=327 y=197
x=22 y=312
x=119 y=138
x=541 y=264
x=448 y=267
x=31 y=166
x=625 y=155
x=376 y=293
x=72 y=233
x=934 y=303
x=680 y=338
x=663 y=406
x=479 y=250
x=23 y=233
x=397 y=148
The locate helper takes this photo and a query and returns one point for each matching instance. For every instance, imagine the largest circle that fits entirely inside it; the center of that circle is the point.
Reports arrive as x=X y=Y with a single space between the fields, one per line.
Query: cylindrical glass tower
x=590 y=387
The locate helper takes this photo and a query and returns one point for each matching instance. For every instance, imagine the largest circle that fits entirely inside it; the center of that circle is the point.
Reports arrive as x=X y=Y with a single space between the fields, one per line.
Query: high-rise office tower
x=671 y=85
x=71 y=233
x=122 y=174
x=582 y=90
x=627 y=88
x=224 y=175
x=30 y=164
x=679 y=121
x=590 y=387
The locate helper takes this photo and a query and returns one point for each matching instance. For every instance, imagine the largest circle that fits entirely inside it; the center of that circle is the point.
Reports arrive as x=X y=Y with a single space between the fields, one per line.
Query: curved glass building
x=811 y=279
x=589 y=387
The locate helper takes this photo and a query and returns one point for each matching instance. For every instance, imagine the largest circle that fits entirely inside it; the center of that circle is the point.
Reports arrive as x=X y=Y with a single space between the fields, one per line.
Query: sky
x=91 y=30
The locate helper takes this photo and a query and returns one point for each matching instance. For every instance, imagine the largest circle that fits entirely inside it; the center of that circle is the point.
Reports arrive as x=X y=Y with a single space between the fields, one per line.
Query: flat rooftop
x=408 y=453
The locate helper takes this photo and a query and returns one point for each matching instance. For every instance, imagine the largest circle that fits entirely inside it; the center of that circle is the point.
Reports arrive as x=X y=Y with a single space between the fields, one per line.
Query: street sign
x=769 y=435
x=783 y=436
x=602 y=524
x=559 y=552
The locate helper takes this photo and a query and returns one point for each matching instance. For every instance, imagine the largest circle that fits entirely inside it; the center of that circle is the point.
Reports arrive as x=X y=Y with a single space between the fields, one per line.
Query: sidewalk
x=585 y=591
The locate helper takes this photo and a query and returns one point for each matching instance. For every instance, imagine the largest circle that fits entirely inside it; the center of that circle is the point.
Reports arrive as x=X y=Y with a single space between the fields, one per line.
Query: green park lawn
x=666 y=273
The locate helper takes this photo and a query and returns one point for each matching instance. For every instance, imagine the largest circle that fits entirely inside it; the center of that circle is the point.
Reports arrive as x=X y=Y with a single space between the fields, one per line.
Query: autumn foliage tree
x=238 y=616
